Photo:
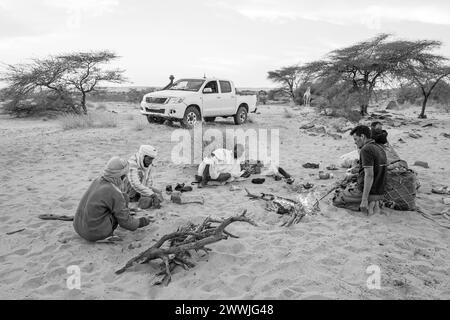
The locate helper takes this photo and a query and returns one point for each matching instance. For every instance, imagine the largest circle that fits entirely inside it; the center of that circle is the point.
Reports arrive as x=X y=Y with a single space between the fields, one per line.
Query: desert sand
x=46 y=170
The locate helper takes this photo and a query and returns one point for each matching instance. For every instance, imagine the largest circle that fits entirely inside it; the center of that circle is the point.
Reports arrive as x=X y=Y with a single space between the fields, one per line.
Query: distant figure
x=171 y=82
x=262 y=95
x=307 y=97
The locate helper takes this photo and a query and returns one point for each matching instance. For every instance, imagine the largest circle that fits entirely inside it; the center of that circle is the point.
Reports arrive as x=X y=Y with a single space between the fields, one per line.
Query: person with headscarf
x=139 y=181
x=103 y=207
x=221 y=166
x=380 y=137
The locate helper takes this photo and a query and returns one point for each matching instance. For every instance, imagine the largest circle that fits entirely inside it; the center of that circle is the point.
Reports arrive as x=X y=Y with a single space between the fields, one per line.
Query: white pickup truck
x=191 y=100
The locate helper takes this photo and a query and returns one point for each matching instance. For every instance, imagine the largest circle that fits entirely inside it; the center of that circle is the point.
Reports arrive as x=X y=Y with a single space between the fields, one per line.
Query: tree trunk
x=83 y=102
x=424 y=105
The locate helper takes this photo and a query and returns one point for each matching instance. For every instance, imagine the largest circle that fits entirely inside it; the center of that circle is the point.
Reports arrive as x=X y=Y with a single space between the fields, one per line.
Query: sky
x=240 y=40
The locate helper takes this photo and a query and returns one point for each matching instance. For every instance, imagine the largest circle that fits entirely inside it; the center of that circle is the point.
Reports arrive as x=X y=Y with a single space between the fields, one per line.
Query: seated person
x=103 y=207
x=139 y=180
x=221 y=166
x=380 y=137
x=368 y=191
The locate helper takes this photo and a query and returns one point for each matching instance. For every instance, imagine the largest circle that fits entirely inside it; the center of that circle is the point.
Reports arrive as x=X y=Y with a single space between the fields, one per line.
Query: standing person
x=139 y=181
x=369 y=189
x=103 y=207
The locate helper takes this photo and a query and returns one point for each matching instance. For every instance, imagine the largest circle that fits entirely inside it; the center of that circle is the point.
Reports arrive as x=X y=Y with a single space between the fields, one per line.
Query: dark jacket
x=101 y=208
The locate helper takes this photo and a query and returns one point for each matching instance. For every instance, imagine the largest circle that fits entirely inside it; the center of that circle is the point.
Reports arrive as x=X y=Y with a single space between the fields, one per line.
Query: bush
x=40 y=104
x=92 y=120
x=408 y=95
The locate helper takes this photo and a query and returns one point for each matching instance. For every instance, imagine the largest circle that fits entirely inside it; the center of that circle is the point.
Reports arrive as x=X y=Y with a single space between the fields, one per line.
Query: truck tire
x=241 y=116
x=191 y=118
x=153 y=119
x=210 y=119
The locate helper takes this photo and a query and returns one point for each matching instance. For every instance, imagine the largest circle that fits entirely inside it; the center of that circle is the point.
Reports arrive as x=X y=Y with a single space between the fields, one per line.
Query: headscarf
x=115 y=168
x=145 y=150
x=380 y=136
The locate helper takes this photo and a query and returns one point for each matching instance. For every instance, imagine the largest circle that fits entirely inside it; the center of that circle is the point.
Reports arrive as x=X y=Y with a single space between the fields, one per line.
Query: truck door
x=211 y=99
x=228 y=101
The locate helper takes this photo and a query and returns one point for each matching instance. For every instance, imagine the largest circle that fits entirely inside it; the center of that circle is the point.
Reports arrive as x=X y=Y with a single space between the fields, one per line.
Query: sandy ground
x=46 y=170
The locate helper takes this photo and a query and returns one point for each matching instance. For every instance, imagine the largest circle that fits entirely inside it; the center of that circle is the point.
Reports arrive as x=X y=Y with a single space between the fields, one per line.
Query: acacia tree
x=85 y=72
x=288 y=77
x=38 y=75
x=425 y=72
x=369 y=63
x=58 y=76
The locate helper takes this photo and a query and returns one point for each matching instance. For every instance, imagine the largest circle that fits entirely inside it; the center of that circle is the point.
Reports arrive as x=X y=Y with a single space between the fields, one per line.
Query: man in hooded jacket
x=103 y=207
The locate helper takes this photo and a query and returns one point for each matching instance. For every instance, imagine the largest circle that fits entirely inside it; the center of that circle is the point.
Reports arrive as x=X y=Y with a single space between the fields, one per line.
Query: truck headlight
x=175 y=100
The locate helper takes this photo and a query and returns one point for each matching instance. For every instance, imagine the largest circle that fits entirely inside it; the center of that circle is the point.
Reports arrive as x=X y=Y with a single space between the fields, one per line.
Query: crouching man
x=103 y=207
x=366 y=194
x=221 y=166
x=138 y=185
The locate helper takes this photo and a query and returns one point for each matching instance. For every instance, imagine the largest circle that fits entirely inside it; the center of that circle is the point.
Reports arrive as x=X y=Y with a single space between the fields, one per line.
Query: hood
x=145 y=151
x=170 y=94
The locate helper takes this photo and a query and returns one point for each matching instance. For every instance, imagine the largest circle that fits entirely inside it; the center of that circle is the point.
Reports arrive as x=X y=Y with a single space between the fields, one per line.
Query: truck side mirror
x=208 y=90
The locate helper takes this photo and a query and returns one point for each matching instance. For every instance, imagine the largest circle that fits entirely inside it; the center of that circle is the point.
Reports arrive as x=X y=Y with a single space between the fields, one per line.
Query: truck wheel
x=241 y=116
x=210 y=119
x=191 y=118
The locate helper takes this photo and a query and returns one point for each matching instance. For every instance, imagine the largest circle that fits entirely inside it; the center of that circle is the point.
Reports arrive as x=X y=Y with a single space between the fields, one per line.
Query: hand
x=364 y=206
x=156 y=200
x=155 y=190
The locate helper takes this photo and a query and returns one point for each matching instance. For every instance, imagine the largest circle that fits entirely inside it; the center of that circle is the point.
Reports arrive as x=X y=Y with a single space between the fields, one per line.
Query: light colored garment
x=221 y=161
x=140 y=177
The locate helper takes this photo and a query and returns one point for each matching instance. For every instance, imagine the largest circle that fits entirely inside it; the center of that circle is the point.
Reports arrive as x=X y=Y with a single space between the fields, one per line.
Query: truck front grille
x=155 y=100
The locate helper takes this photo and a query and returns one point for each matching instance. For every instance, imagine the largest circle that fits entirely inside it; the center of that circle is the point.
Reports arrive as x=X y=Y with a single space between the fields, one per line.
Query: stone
x=422 y=164
x=306 y=126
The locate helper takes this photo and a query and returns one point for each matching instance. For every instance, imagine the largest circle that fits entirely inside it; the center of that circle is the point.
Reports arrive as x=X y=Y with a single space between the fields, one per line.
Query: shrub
x=40 y=104
x=92 y=120
x=408 y=94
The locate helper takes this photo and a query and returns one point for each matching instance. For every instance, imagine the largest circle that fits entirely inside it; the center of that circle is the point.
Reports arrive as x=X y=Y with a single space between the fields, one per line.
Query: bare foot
x=371 y=208
x=377 y=209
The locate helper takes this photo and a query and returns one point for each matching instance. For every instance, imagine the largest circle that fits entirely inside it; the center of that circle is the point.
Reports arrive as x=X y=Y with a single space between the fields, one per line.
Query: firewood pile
x=174 y=249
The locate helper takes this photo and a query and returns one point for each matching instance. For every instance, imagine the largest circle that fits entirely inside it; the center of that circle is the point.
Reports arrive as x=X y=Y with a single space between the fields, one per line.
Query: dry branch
x=190 y=237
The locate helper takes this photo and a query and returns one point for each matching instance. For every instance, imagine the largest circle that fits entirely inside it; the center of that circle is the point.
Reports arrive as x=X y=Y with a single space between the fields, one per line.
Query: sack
x=401 y=188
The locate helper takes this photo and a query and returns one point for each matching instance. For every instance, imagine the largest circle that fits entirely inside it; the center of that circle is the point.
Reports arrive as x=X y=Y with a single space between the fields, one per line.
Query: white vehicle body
x=218 y=100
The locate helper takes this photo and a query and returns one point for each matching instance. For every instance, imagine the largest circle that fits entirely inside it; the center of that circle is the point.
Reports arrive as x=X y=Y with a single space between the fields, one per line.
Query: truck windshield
x=187 y=85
